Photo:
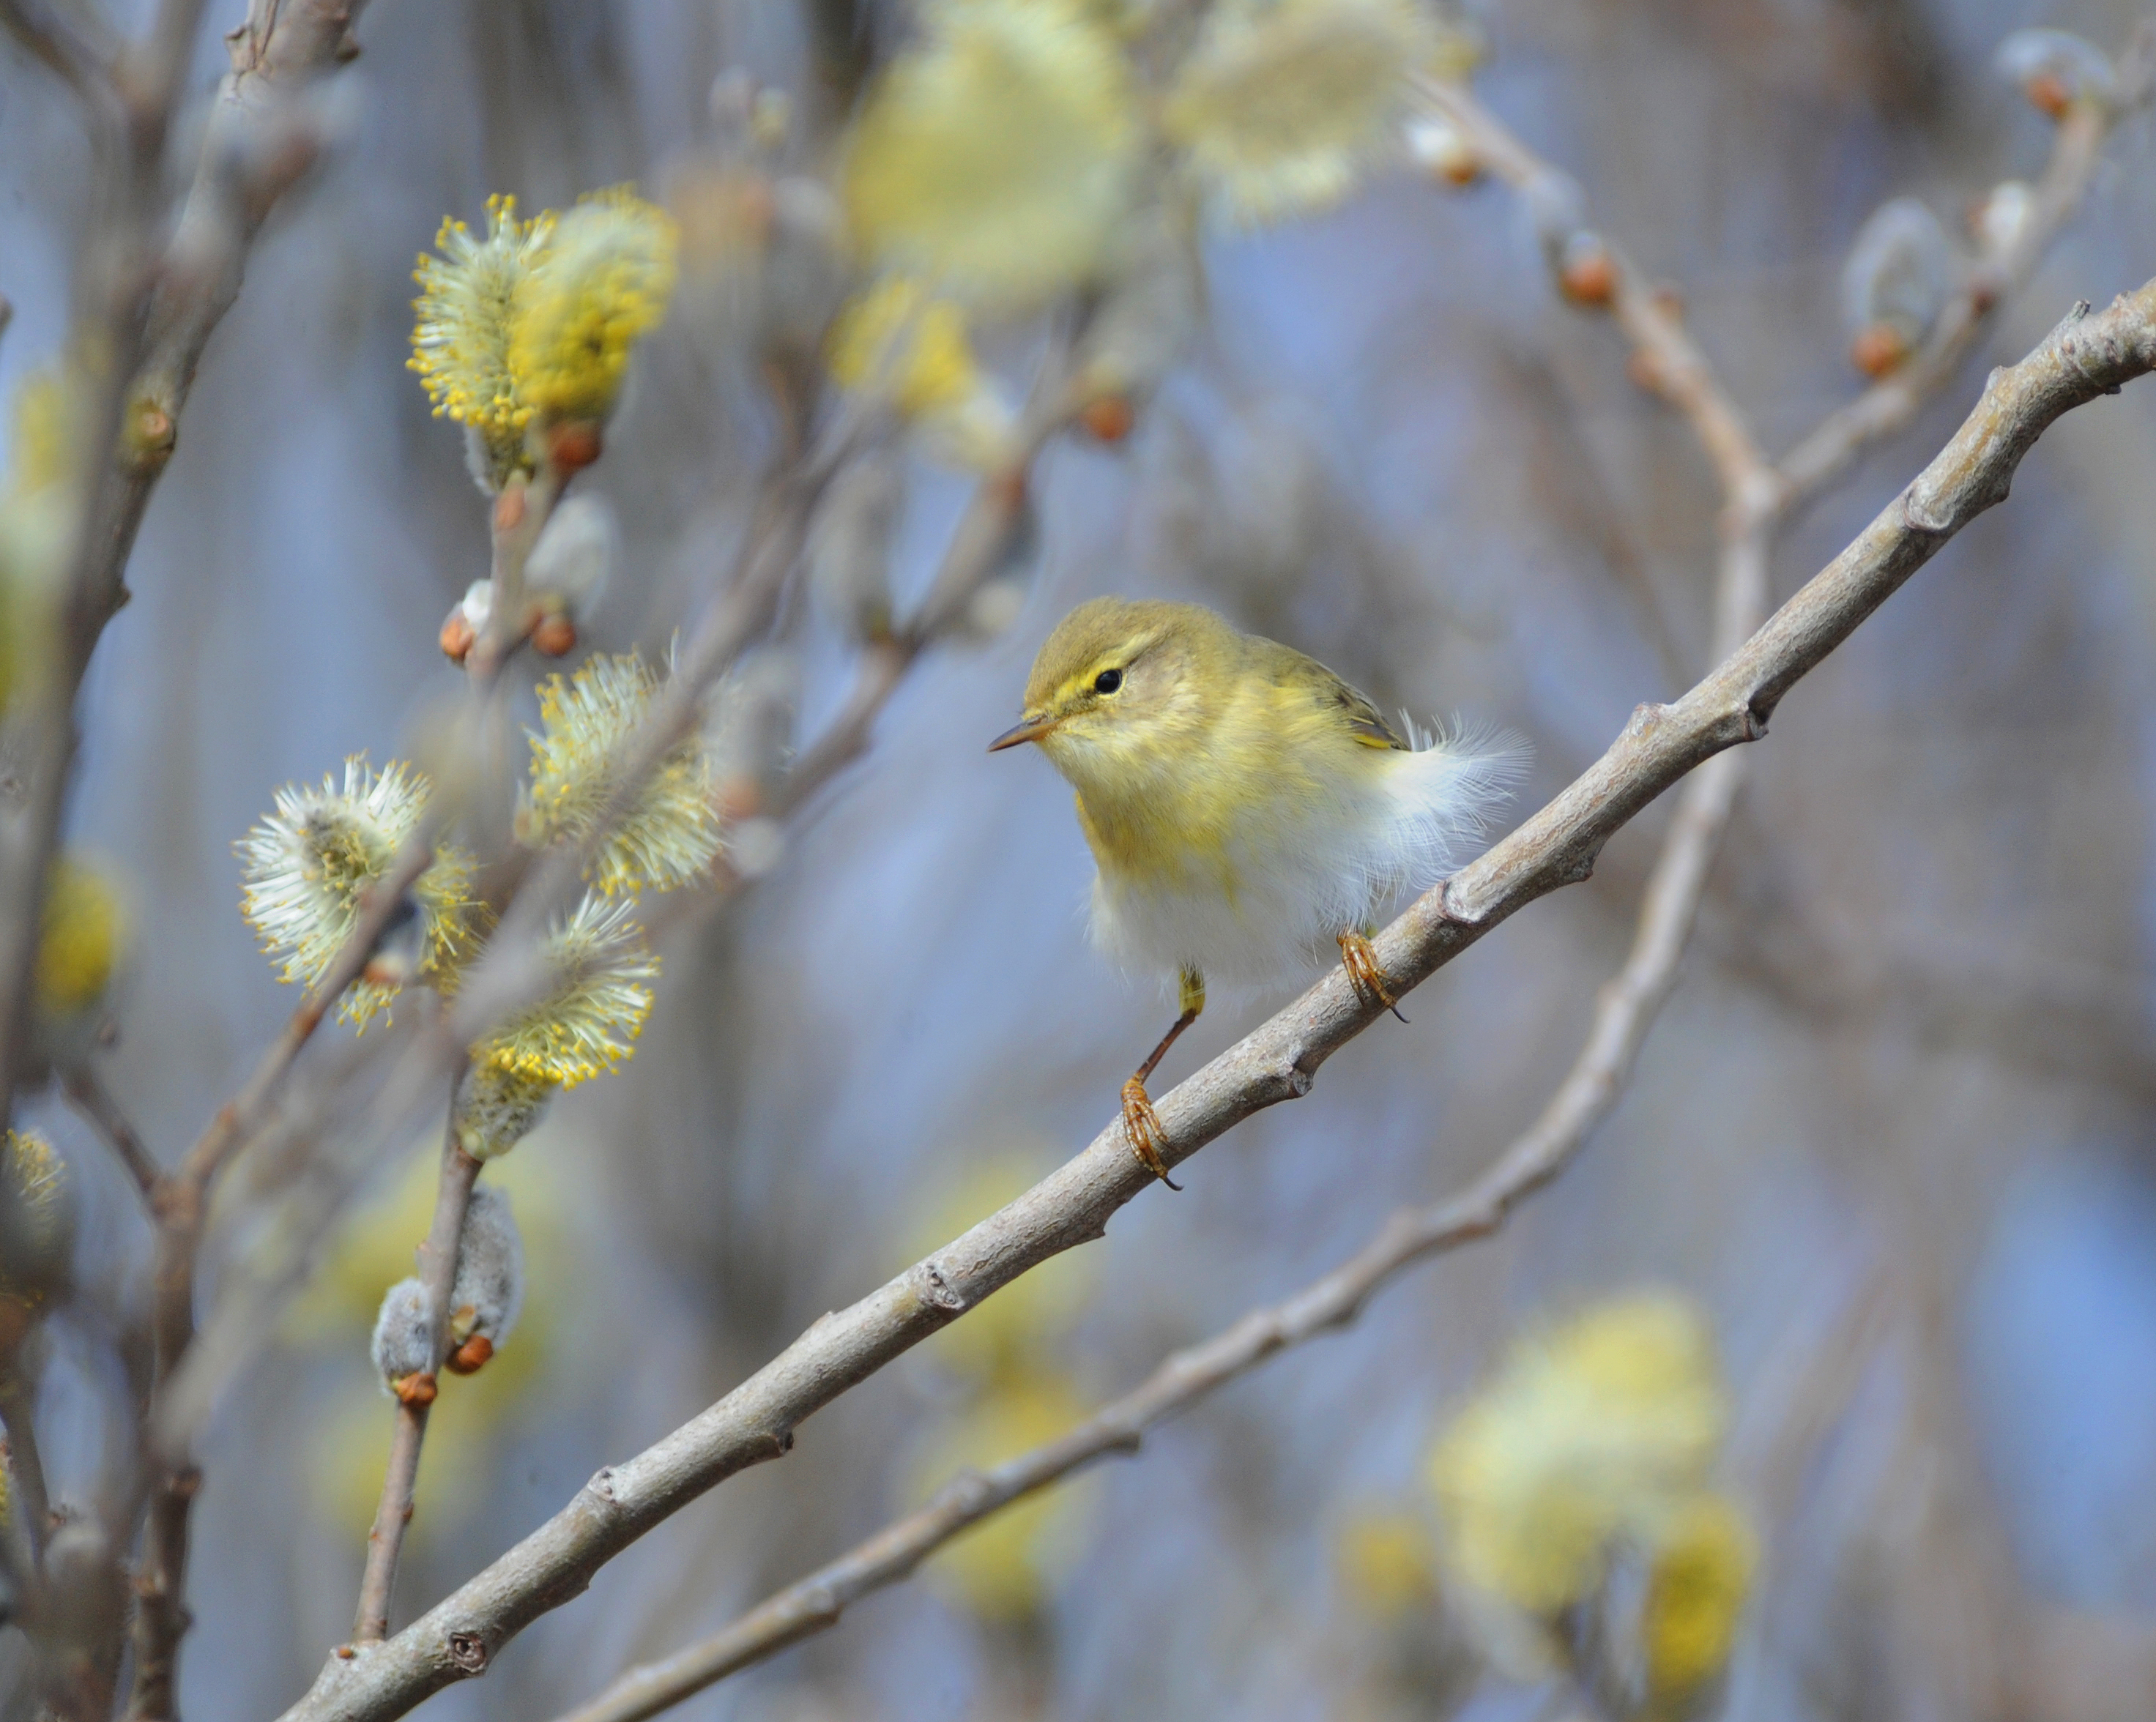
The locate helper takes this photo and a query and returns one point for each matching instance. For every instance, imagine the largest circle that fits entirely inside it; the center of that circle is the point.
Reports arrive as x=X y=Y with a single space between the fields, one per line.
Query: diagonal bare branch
x=1757 y=499
x=2086 y=356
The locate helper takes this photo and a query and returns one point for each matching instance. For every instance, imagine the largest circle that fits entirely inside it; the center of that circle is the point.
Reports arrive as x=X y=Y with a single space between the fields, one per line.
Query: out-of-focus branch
x=76 y=47
x=1669 y=357
x=985 y=533
x=979 y=544
x=2086 y=356
x=438 y=1273
x=1999 y=273
x=95 y=1103
x=1625 y=1010
x=147 y=309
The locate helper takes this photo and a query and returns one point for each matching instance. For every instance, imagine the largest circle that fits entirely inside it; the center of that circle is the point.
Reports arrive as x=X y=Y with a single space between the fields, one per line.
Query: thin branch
x=59 y=39
x=1999 y=273
x=1679 y=372
x=438 y=1272
x=2086 y=356
x=94 y=1101
x=146 y=306
x=153 y=304
x=1625 y=1010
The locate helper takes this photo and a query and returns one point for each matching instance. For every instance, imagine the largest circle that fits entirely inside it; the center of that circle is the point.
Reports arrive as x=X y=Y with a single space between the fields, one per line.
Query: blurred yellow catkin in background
x=1592 y=1450
x=1601 y=1426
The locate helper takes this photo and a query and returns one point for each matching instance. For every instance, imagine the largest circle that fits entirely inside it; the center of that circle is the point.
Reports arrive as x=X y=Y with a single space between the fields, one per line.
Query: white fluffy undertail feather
x=1447 y=795
x=1324 y=865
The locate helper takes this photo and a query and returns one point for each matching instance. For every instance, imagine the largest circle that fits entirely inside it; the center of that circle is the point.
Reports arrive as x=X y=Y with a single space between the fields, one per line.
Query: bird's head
x=1121 y=679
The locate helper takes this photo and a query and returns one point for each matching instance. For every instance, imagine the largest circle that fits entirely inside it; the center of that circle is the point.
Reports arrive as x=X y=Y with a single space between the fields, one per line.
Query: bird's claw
x=1143 y=1126
x=1360 y=960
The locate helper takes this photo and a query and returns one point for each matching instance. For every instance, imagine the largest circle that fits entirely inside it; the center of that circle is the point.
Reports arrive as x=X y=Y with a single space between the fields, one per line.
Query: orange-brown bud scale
x=572 y=445
x=416 y=1389
x=509 y=510
x=469 y=1358
x=148 y=436
x=2048 y=93
x=738 y=798
x=1108 y=419
x=1878 y=350
x=1588 y=276
x=554 y=635
x=457 y=636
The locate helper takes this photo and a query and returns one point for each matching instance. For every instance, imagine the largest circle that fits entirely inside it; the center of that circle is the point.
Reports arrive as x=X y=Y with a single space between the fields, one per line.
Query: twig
x=1999 y=273
x=2086 y=356
x=141 y=300
x=983 y=538
x=152 y=307
x=132 y=122
x=94 y=1101
x=56 y=39
x=438 y=1272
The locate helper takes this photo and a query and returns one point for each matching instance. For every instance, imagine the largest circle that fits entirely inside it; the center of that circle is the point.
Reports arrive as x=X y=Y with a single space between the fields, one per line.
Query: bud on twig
x=1999 y=218
x=1896 y=283
x=489 y=1292
x=2056 y=69
x=1439 y=149
x=1587 y=272
x=750 y=735
x=849 y=548
x=402 y=1347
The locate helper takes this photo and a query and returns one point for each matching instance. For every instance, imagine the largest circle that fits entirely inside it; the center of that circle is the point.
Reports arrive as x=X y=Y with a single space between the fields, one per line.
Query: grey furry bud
x=1147 y=319
x=2003 y=216
x=849 y=551
x=403 y=1333
x=2054 y=68
x=1899 y=272
x=575 y=556
x=749 y=731
x=489 y=1293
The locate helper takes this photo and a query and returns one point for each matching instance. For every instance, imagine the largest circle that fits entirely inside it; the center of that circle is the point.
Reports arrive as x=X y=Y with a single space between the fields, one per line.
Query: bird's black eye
x=1107 y=681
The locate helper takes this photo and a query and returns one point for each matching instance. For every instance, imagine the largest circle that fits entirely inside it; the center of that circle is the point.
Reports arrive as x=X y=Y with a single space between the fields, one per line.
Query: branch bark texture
x=2086 y=356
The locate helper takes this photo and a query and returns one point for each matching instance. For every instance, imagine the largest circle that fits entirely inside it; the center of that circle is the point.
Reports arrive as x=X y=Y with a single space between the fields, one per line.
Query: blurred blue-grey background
x=1893 y=1132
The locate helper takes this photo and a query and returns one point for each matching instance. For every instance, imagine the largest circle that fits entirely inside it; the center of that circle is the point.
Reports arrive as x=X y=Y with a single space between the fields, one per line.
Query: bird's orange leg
x=1142 y=1124
x=1360 y=960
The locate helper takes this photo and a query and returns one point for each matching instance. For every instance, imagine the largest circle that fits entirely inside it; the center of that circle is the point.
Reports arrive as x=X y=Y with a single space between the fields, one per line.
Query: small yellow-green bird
x=1244 y=804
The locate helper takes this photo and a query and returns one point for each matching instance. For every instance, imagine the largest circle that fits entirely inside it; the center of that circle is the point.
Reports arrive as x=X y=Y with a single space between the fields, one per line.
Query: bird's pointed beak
x=1030 y=728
